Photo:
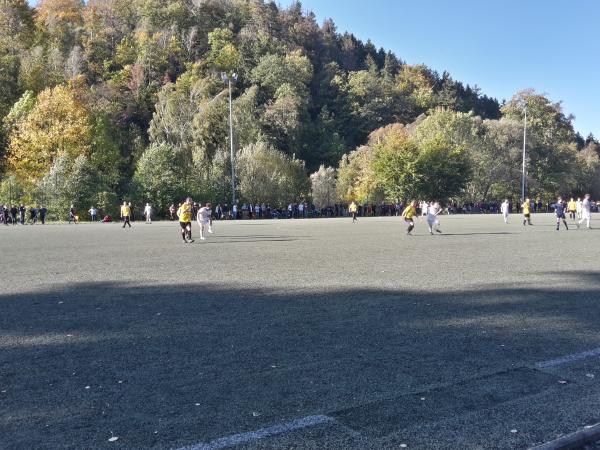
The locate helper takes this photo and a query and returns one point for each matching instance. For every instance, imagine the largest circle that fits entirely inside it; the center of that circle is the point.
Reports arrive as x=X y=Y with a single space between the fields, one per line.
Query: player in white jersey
x=586 y=211
x=504 y=209
x=204 y=218
x=148 y=213
x=579 y=208
x=433 y=210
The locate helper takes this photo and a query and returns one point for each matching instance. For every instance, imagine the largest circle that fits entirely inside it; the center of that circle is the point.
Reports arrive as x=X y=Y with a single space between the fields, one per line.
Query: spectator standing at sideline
x=13 y=214
x=72 y=214
x=43 y=211
x=93 y=213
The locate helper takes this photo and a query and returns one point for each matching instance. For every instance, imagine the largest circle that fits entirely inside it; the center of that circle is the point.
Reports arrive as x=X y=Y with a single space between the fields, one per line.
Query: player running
x=504 y=209
x=526 y=207
x=586 y=211
x=185 y=220
x=433 y=210
x=204 y=218
x=352 y=209
x=408 y=215
x=126 y=214
x=559 y=209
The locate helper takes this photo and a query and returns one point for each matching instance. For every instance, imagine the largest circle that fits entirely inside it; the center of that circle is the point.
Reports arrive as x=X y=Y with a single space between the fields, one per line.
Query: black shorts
x=184 y=225
x=560 y=216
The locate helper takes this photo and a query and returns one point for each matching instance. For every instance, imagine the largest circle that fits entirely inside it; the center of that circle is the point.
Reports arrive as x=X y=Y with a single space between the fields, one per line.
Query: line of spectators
x=21 y=214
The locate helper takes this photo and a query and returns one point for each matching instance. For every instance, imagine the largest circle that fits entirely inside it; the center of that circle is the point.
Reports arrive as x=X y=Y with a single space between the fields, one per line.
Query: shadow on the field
x=169 y=365
x=477 y=233
x=261 y=236
x=223 y=239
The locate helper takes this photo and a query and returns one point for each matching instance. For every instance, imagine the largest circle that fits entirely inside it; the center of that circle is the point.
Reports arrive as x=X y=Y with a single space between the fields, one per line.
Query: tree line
x=111 y=99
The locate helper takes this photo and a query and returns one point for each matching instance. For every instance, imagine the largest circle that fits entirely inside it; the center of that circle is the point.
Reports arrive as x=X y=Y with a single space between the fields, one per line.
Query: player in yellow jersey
x=408 y=215
x=572 y=208
x=352 y=209
x=185 y=220
x=126 y=214
x=526 y=207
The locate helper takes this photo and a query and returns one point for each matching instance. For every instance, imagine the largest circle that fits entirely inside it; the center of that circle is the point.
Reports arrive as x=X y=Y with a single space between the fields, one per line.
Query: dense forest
x=107 y=100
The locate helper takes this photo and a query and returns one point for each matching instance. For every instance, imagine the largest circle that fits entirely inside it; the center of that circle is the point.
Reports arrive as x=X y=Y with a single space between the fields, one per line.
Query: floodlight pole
x=228 y=80
x=524 y=155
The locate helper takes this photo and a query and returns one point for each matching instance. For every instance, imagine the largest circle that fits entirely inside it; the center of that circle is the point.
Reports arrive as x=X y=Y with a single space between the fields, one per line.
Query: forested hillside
x=113 y=99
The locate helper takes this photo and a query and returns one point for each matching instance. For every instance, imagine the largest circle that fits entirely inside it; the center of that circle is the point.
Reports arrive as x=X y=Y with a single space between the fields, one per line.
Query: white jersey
x=148 y=210
x=586 y=206
x=204 y=214
x=504 y=208
x=432 y=211
x=579 y=206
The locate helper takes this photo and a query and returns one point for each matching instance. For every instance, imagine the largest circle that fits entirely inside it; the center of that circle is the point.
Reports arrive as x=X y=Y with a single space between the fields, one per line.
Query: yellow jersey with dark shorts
x=185 y=213
x=410 y=212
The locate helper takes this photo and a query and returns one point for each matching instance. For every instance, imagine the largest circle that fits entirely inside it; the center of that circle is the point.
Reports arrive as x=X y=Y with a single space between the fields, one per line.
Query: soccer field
x=299 y=334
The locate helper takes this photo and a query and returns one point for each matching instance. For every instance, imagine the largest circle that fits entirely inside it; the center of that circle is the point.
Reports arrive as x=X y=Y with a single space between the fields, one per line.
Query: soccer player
x=126 y=214
x=185 y=220
x=579 y=206
x=432 y=217
x=586 y=211
x=504 y=209
x=559 y=209
x=526 y=207
x=148 y=213
x=352 y=209
x=204 y=218
x=572 y=208
x=408 y=215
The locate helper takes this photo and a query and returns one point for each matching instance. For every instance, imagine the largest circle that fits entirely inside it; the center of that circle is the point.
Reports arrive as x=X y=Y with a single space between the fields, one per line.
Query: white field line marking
x=242 y=438
x=568 y=358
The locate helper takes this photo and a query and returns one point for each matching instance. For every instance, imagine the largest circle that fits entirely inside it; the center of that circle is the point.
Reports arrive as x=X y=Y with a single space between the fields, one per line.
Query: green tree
x=223 y=55
x=323 y=187
x=82 y=183
x=270 y=176
x=551 y=144
x=496 y=161
x=158 y=175
x=430 y=169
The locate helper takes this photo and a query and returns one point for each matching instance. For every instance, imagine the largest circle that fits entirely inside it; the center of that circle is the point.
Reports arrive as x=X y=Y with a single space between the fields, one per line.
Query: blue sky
x=501 y=46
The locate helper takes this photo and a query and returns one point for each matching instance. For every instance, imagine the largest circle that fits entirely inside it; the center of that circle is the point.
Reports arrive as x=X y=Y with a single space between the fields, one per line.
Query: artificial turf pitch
x=424 y=341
